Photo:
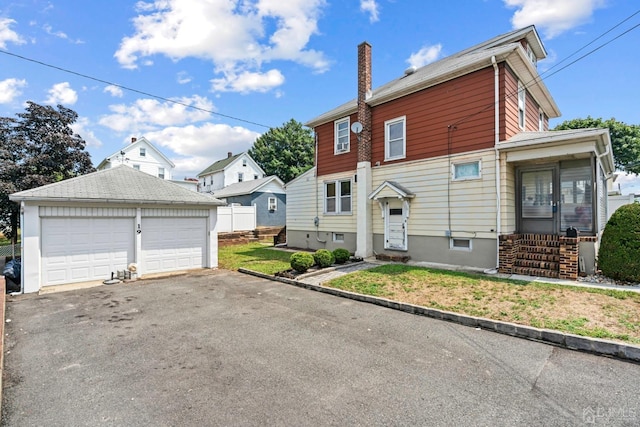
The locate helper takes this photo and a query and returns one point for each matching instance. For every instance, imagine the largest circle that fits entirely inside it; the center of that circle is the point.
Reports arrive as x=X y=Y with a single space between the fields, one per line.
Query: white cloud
x=426 y=55
x=81 y=127
x=370 y=7
x=61 y=93
x=246 y=82
x=553 y=17
x=114 y=91
x=60 y=34
x=7 y=34
x=200 y=146
x=183 y=78
x=10 y=89
x=237 y=37
x=149 y=114
x=628 y=183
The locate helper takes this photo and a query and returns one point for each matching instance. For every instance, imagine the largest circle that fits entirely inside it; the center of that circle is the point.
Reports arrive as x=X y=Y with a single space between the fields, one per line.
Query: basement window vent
x=457 y=244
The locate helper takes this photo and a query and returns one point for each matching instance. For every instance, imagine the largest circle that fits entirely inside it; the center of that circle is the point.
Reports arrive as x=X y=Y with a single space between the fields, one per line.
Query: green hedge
x=301 y=261
x=619 y=253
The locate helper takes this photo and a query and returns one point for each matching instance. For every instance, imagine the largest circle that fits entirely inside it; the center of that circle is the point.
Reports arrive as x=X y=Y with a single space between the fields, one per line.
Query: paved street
x=224 y=348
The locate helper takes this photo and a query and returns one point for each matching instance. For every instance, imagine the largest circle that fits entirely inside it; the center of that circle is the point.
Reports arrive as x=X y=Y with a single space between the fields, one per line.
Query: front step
x=539 y=272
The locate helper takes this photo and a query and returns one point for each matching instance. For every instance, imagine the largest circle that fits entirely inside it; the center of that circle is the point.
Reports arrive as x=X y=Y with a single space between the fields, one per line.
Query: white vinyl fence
x=236 y=218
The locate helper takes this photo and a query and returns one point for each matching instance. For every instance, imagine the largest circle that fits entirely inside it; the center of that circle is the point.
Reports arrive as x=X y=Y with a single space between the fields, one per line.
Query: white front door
x=395 y=232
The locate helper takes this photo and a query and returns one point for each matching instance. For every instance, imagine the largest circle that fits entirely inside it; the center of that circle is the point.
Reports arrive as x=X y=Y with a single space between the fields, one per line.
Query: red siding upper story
x=450 y=118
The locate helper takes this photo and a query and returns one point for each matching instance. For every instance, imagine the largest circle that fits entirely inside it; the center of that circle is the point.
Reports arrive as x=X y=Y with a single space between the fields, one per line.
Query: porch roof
x=573 y=143
x=391 y=189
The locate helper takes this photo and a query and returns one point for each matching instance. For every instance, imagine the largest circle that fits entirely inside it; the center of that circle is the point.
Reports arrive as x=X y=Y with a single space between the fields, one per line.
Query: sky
x=130 y=69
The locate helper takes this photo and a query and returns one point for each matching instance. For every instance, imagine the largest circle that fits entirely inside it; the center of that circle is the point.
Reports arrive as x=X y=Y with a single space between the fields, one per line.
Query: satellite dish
x=356 y=127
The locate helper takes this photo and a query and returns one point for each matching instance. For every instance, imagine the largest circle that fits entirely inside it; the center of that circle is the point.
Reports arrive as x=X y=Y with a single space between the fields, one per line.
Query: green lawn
x=253 y=256
x=597 y=313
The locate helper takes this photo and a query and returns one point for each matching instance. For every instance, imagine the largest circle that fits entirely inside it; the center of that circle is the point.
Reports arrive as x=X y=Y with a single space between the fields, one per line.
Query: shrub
x=301 y=261
x=341 y=255
x=619 y=253
x=324 y=258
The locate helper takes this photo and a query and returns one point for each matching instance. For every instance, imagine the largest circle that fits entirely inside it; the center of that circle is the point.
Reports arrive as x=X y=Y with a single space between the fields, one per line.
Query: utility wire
x=539 y=78
x=132 y=89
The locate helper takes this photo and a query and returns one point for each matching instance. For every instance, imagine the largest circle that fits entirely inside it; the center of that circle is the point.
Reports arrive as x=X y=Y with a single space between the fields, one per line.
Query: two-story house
x=233 y=169
x=141 y=155
x=453 y=163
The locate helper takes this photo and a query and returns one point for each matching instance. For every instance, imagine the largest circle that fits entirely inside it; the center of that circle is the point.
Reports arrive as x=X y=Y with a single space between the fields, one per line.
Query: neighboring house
x=453 y=163
x=233 y=169
x=267 y=194
x=83 y=229
x=141 y=155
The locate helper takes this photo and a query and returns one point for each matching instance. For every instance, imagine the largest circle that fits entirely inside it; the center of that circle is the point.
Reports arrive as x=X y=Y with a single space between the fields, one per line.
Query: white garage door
x=170 y=244
x=85 y=249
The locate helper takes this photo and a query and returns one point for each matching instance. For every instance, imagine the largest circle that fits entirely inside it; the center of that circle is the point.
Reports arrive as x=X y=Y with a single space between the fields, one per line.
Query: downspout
x=496 y=79
x=316 y=220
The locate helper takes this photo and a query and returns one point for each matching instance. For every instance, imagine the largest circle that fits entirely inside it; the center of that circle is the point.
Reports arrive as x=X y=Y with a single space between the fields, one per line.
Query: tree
x=37 y=148
x=625 y=140
x=285 y=151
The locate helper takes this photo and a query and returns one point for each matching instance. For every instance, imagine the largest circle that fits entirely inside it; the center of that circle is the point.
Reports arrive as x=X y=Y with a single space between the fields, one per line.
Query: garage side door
x=85 y=249
x=170 y=244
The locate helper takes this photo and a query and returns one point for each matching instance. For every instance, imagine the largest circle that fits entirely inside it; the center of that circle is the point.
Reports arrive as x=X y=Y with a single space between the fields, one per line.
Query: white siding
x=507 y=196
x=471 y=205
x=149 y=163
x=67 y=211
x=232 y=170
x=272 y=187
x=305 y=201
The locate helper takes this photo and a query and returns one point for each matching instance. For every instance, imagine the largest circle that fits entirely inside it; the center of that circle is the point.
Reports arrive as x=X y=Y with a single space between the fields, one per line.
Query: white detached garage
x=85 y=228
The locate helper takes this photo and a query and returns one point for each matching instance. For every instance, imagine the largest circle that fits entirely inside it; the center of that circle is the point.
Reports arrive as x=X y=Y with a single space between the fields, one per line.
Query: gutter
x=123 y=201
x=497 y=154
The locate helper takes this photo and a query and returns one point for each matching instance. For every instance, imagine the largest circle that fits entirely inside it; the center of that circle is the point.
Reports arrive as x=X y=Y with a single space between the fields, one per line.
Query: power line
x=539 y=78
x=132 y=89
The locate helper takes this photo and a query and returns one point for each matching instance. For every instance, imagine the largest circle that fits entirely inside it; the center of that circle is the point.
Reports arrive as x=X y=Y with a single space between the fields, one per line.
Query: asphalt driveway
x=223 y=348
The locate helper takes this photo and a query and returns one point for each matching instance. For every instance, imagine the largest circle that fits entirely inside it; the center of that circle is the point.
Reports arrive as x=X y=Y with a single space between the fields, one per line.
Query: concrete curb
x=614 y=349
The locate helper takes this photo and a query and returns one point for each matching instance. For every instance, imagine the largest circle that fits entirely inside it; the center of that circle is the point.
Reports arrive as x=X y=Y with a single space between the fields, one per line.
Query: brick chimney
x=364 y=91
x=133 y=139
x=229 y=154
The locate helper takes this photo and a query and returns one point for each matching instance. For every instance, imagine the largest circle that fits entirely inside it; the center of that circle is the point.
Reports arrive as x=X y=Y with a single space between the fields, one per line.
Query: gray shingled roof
x=121 y=184
x=219 y=165
x=245 y=187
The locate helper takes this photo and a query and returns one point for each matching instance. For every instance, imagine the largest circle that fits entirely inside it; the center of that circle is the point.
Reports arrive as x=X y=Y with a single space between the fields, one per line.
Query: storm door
x=538 y=200
x=395 y=233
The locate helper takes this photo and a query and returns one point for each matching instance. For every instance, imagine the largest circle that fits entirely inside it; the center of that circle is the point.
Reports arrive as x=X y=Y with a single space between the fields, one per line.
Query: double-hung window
x=337 y=197
x=240 y=177
x=143 y=152
x=395 y=141
x=522 y=98
x=273 y=203
x=341 y=136
x=161 y=173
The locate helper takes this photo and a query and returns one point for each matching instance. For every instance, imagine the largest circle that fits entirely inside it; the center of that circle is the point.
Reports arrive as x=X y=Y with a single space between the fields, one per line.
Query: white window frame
x=161 y=173
x=457 y=164
x=460 y=248
x=345 y=147
x=244 y=162
x=387 y=138
x=272 y=204
x=136 y=167
x=338 y=237
x=540 y=120
x=338 y=197
x=531 y=55
x=255 y=176
x=143 y=152
x=522 y=105
x=240 y=177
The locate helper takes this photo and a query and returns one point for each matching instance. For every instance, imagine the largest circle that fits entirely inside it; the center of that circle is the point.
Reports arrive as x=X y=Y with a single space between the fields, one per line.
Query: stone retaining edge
x=600 y=347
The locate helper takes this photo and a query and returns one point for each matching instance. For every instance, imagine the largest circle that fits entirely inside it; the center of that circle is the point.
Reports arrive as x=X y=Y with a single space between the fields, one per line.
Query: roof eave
x=213 y=202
